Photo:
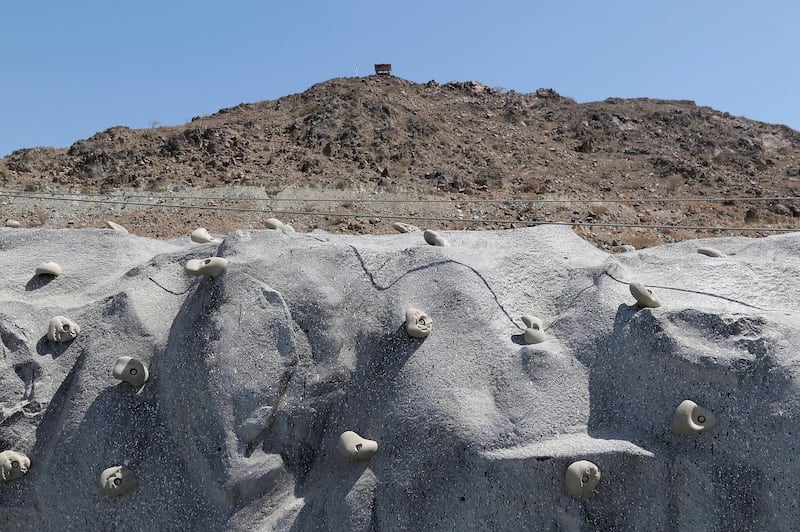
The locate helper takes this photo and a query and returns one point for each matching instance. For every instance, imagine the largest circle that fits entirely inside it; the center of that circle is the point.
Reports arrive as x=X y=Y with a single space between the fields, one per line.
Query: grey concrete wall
x=254 y=375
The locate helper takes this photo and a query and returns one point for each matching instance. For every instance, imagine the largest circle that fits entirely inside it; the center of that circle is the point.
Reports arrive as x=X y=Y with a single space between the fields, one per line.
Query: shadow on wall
x=361 y=405
x=45 y=347
x=38 y=281
x=650 y=362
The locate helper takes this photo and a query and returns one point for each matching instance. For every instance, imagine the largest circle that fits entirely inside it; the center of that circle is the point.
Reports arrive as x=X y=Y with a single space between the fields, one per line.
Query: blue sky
x=71 y=69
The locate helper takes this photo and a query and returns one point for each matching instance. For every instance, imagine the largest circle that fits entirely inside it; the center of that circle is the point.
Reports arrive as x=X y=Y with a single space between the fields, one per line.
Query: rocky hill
x=392 y=138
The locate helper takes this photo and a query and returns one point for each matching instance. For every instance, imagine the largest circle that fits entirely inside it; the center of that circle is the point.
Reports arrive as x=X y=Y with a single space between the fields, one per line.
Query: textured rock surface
x=255 y=374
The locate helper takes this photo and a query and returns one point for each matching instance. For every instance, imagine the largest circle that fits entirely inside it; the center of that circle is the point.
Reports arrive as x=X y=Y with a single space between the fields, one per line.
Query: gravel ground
x=177 y=210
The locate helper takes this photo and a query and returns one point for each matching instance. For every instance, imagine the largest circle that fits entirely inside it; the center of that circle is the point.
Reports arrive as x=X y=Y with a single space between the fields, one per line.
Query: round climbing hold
x=49 y=268
x=689 y=419
x=581 y=478
x=644 y=296
x=351 y=445
x=13 y=465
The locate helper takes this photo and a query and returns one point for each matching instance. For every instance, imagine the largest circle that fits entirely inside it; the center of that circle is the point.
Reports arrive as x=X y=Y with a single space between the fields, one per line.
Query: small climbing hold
x=710 y=252
x=534 y=330
x=435 y=239
x=351 y=445
x=131 y=370
x=49 y=268
x=116 y=481
x=116 y=227
x=418 y=323
x=273 y=223
x=201 y=236
x=644 y=296
x=13 y=465
x=62 y=329
x=626 y=248
x=212 y=266
x=13 y=223
x=581 y=478
x=691 y=419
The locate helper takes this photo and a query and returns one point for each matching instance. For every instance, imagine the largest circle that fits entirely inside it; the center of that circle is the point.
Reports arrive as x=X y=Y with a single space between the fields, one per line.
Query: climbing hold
x=644 y=296
x=405 y=228
x=212 y=266
x=62 y=329
x=534 y=333
x=49 y=268
x=116 y=227
x=710 y=252
x=354 y=446
x=625 y=248
x=13 y=465
x=13 y=223
x=131 y=370
x=201 y=236
x=581 y=478
x=531 y=321
x=116 y=481
x=692 y=419
x=418 y=323
x=435 y=239
x=273 y=223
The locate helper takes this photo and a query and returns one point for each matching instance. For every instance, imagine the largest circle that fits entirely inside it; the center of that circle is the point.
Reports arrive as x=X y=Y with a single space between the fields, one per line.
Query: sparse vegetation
x=459 y=140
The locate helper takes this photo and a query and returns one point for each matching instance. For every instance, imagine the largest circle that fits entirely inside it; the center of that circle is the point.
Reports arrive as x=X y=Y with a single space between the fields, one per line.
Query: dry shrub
x=41 y=215
x=534 y=184
x=644 y=240
x=633 y=184
x=674 y=181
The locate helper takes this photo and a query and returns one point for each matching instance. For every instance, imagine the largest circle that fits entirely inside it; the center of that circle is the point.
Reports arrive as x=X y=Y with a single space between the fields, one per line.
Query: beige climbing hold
x=131 y=370
x=13 y=465
x=644 y=296
x=116 y=227
x=581 y=478
x=531 y=322
x=435 y=239
x=49 y=268
x=418 y=323
x=116 y=481
x=626 y=248
x=710 y=252
x=13 y=223
x=692 y=419
x=534 y=330
x=211 y=266
x=273 y=223
x=62 y=329
x=404 y=227
x=351 y=445
x=201 y=236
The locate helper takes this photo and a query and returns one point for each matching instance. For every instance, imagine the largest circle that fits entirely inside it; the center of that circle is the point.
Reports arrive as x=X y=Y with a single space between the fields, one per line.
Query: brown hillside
x=388 y=138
